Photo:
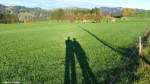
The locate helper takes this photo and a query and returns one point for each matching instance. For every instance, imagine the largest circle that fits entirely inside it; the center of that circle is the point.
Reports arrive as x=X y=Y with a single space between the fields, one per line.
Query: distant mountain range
x=116 y=9
x=16 y=9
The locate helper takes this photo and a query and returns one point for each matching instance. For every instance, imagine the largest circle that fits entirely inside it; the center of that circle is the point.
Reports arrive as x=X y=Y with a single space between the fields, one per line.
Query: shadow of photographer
x=73 y=48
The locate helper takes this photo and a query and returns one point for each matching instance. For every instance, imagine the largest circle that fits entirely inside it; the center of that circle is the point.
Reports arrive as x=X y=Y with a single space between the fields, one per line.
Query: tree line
x=26 y=15
x=92 y=15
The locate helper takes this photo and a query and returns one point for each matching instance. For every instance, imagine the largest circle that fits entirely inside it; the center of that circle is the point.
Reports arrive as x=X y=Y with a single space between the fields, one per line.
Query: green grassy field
x=35 y=53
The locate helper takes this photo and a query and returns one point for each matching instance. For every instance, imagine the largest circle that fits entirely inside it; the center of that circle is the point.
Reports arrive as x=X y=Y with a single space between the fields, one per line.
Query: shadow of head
x=68 y=38
x=74 y=39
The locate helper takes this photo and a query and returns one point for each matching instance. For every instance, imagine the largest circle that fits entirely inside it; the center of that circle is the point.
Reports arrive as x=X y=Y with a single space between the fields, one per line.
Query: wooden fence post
x=140 y=46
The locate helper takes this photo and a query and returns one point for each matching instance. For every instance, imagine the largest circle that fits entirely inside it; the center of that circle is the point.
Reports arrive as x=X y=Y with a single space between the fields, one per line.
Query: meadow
x=37 y=53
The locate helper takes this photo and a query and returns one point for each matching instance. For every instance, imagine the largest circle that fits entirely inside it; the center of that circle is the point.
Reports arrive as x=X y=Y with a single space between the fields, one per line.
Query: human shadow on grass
x=70 y=63
x=73 y=48
x=129 y=58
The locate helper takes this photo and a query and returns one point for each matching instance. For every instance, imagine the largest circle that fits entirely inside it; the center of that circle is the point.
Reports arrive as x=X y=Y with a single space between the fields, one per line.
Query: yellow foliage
x=128 y=12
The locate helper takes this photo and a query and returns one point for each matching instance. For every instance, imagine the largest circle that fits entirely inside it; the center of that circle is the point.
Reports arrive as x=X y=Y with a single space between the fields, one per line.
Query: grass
x=144 y=69
x=35 y=53
x=146 y=50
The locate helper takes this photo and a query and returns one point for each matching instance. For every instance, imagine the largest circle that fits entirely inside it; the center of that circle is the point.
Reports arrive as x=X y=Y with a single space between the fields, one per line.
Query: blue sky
x=50 y=4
